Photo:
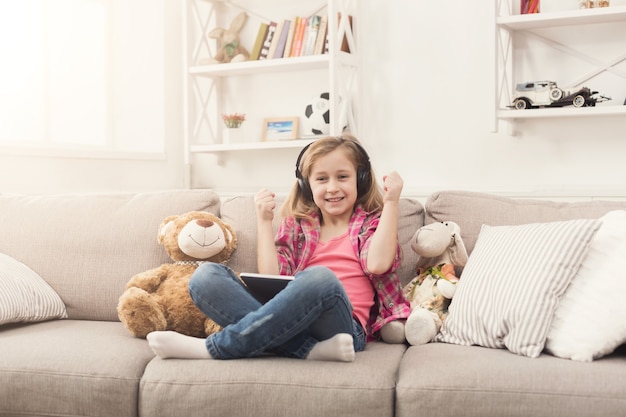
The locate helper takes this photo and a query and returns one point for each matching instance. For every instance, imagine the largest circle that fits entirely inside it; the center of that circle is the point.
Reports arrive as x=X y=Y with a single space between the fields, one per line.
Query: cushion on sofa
x=439 y=379
x=512 y=283
x=86 y=247
x=70 y=368
x=470 y=210
x=590 y=320
x=273 y=386
x=239 y=212
x=25 y=296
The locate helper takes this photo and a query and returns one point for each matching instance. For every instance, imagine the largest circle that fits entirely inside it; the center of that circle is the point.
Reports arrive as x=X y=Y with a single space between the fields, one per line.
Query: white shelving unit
x=204 y=85
x=509 y=26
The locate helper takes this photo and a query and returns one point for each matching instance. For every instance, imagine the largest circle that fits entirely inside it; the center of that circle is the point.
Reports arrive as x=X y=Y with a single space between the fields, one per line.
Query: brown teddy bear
x=158 y=299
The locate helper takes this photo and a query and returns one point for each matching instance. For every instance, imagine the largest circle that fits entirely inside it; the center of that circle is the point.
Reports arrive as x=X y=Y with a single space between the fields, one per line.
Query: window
x=82 y=74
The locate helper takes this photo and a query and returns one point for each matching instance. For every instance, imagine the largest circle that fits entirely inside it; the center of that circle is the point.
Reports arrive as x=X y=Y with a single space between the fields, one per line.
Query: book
x=265 y=286
x=275 y=39
x=313 y=26
x=296 y=49
x=265 y=48
x=260 y=37
x=282 y=41
x=289 y=43
x=321 y=36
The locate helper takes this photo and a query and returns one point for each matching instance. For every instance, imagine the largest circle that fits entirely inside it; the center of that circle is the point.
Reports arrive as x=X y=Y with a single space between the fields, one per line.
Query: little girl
x=339 y=239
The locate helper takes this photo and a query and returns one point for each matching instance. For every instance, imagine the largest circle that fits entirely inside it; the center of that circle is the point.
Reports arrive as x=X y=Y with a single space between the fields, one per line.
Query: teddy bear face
x=197 y=236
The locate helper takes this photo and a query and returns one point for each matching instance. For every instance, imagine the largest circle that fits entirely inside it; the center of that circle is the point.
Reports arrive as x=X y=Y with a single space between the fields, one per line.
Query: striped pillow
x=25 y=296
x=512 y=284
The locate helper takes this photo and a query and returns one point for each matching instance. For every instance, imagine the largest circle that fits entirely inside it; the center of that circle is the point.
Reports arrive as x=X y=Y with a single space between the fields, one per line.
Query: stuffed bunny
x=441 y=249
x=230 y=49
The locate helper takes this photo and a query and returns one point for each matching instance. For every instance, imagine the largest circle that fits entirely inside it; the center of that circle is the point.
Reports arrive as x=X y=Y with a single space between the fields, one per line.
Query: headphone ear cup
x=305 y=188
x=364 y=180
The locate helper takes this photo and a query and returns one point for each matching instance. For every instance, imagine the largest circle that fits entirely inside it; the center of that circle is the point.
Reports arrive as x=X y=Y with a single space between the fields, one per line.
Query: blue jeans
x=313 y=307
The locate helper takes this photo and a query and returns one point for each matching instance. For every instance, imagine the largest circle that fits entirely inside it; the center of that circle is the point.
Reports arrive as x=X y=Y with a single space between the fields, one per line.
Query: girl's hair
x=299 y=203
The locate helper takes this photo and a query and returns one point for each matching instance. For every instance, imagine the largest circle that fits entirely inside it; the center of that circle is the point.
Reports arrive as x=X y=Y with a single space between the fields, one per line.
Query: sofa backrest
x=239 y=212
x=470 y=210
x=87 y=247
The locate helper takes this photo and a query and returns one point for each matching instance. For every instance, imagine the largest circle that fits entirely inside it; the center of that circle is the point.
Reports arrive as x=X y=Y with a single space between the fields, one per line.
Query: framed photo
x=280 y=128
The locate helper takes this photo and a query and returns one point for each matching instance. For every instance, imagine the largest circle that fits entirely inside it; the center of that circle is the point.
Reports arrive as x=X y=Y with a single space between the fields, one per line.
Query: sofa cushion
x=25 y=296
x=438 y=380
x=470 y=210
x=70 y=368
x=239 y=212
x=88 y=246
x=590 y=320
x=512 y=283
x=268 y=387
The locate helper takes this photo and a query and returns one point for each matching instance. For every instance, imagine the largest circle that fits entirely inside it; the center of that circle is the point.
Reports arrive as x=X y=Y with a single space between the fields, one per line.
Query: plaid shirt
x=296 y=241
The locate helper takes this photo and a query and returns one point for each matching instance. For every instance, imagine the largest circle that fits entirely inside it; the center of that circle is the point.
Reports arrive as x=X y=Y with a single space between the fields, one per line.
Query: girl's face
x=333 y=184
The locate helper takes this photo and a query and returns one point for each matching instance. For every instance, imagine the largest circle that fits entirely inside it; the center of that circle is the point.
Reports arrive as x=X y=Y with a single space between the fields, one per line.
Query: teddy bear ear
x=458 y=252
x=165 y=225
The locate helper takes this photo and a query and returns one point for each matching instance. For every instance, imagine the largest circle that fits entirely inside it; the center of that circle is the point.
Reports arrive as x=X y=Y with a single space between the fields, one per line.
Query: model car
x=535 y=94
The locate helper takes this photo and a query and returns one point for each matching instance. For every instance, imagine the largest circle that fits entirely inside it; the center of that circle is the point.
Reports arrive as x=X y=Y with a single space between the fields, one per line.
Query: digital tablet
x=265 y=286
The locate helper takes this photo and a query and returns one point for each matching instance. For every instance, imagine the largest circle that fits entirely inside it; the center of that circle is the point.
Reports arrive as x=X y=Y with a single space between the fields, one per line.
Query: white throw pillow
x=590 y=321
x=25 y=296
x=512 y=282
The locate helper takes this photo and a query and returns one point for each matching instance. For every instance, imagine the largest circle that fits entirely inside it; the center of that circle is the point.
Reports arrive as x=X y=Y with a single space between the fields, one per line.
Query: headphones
x=363 y=174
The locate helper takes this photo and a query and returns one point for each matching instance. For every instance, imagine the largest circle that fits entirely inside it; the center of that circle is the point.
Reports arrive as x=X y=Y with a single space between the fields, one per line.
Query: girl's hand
x=264 y=203
x=392 y=187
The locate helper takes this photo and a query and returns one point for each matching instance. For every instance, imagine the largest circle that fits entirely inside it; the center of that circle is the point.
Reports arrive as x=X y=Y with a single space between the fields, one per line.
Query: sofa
x=83 y=362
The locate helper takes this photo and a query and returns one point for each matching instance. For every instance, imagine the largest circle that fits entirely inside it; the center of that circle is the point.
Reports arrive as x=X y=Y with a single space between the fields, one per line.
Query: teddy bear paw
x=421 y=327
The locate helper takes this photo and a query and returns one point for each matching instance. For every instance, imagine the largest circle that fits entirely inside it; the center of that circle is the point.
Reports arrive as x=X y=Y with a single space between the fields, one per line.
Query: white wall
x=426 y=111
x=433 y=93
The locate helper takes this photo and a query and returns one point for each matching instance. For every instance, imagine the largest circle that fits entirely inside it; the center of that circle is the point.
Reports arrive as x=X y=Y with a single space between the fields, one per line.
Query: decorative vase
x=232 y=135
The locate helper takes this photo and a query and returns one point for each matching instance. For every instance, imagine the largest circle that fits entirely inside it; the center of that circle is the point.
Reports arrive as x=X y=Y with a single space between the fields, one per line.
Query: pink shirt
x=297 y=240
x=337 y=255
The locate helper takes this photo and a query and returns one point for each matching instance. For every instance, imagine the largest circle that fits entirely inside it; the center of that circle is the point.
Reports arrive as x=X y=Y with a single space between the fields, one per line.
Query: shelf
x=209 y=89
x=270 y=65
x=562 y=112
x=250 y=146
x=564 y=18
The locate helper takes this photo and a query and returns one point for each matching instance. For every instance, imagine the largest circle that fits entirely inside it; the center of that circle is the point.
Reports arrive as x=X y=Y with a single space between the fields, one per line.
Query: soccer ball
x=317 y=116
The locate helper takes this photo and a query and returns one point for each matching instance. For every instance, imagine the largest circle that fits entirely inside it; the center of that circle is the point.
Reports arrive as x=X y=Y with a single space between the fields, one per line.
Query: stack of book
x=286 y=38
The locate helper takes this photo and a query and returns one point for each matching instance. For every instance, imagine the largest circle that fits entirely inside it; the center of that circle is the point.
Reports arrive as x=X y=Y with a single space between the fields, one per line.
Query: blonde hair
x=300 y=204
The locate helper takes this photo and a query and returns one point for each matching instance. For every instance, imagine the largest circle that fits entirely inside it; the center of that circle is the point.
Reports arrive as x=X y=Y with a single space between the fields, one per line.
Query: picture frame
x=280 y=128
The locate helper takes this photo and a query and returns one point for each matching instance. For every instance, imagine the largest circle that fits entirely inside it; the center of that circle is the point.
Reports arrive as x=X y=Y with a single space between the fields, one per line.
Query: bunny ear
x=458 y=253
x=216 y=33
x=238 y=22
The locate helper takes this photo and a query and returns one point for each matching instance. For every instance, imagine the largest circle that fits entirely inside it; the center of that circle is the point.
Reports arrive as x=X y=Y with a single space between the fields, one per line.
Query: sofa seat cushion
x=272 y=386
x=87 y=247
x=439 y=379
x=70 y=368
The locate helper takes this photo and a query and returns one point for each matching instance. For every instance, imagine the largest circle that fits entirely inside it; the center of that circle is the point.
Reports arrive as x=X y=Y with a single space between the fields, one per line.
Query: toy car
x=535 y=94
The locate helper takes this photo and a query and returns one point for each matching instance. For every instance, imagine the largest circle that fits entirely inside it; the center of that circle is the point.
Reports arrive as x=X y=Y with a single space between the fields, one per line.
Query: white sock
x=169 y=344
x=339 y=348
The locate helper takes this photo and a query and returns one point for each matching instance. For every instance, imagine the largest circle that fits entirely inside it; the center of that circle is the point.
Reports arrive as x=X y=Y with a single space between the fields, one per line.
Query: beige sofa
x=88 y=246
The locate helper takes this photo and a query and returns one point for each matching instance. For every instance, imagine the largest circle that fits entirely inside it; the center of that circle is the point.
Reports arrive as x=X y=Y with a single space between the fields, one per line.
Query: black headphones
x=363 y=174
